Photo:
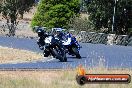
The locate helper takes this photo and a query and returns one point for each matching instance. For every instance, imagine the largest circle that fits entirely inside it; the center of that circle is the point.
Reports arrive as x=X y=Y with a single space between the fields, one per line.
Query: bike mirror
x=35 y=28
x=43 y=28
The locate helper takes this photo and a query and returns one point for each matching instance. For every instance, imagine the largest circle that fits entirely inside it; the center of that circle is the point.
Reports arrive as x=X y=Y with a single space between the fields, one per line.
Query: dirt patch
x=8 y=55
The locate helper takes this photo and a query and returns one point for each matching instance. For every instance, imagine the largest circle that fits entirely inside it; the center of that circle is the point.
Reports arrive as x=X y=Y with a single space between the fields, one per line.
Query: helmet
x=56 y=30
x=41 y=31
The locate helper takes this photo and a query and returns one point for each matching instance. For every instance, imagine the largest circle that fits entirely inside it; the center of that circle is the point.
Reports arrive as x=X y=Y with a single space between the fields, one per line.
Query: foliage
x=101 y=13
x=55 y=13
x=80 y=24
x=10 y=10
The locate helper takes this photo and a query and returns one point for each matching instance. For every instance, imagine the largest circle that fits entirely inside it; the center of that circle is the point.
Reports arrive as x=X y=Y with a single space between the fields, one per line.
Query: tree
x=101 y=13
x=80 y=24
x=10 y=10
x=55 y=13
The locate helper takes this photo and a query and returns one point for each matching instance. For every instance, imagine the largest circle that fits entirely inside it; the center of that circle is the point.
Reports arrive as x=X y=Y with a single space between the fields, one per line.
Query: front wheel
x=63 y=59
x=46 y=53
x=76 y=52
x=59 y=55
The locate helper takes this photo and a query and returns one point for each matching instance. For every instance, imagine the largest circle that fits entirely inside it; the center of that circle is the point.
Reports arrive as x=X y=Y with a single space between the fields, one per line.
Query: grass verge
x=55 y=79
x=8 y=55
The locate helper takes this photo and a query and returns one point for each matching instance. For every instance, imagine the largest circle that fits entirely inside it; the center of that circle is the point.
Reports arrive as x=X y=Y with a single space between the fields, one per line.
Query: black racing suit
x=42 y=37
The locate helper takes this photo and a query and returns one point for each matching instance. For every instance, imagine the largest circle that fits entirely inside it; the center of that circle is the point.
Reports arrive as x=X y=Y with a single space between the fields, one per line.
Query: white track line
x=44 y=60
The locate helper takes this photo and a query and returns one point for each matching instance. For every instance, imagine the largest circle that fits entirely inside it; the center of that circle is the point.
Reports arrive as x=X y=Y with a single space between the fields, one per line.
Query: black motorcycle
x=51 y=46
x=54 y=47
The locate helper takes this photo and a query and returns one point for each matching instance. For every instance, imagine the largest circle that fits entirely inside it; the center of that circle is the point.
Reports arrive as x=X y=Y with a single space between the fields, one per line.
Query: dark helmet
x=41 y=31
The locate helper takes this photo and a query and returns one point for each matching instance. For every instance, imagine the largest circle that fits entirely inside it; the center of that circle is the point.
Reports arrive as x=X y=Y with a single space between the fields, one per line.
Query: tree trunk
x=12 y=24
x=12 y=29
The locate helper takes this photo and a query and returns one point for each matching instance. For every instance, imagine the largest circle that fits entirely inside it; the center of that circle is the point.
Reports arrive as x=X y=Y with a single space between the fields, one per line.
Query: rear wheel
x=76 y=52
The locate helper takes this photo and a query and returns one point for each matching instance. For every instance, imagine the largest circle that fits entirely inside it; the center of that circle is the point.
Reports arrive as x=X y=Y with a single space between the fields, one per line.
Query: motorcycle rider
x=69 y=34
x=65 y=36
x=59 y=34
x=42 y=35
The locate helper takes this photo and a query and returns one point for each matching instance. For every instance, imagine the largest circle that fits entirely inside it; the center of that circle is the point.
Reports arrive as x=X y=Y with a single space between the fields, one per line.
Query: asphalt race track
x=93 y=55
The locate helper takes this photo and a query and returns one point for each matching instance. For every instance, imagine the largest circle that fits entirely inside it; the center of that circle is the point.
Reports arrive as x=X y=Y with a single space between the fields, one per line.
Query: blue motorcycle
x=72 y=46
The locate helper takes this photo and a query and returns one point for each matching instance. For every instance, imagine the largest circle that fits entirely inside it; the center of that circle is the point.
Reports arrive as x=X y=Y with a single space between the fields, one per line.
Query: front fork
x=78 y=46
